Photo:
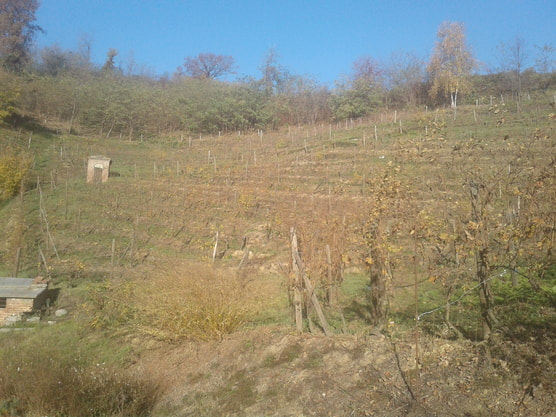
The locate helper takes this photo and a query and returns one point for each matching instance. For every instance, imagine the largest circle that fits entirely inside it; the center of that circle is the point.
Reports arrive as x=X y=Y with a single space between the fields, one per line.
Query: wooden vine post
x=297 y=285
x=301 y=279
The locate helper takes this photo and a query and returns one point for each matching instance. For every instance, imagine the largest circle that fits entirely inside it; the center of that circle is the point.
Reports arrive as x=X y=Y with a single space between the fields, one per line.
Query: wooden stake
x=112 y=258
x=416 y=296
x=17 y=262
x=297 y=284
x=331 y=284
x=313 y=296
x=132 y=243
x=66 y=202
x=215 y=247
x=78 y=224
x=43 y=259
x=49 y=235
x=244 y=258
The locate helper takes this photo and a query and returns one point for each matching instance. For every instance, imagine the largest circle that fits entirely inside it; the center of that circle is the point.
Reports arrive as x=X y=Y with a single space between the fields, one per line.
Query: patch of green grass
x=523 y=305
x=354 y=285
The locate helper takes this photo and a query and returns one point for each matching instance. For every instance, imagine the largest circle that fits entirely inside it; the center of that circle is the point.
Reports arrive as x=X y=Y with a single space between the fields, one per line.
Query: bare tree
x=405 y=77
x=366 y=69
x=109 y=64
x=513 y=57
x=544 y=60
x=208 y=65
x=275 y=77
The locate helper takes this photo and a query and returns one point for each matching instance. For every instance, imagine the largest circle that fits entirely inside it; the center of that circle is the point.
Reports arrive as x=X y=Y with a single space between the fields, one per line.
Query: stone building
x=98 y=169
x=21 y=295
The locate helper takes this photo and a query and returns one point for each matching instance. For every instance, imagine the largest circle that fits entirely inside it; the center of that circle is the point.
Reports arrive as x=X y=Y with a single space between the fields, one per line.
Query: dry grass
x=57 y=372
x=185 y=300
x=194 y=301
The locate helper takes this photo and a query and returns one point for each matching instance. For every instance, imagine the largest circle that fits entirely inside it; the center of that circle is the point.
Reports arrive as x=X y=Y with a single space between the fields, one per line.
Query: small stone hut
x=21 y=295
x=98 y=169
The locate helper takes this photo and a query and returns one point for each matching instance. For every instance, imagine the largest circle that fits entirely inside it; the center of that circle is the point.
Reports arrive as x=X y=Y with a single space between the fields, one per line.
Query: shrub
x=14 y=167
x=110 y=305
x=188 y=301
x=194 y=301
x=9 y=94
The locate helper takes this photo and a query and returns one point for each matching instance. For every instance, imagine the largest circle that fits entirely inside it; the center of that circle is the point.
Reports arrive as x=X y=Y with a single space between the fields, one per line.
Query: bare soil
x=274 y=372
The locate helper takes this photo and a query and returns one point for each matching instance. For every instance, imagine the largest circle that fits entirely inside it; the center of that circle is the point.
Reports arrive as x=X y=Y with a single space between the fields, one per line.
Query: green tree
x=53 y=60
x=359 y=94
x=451 y=63
x=17 y=31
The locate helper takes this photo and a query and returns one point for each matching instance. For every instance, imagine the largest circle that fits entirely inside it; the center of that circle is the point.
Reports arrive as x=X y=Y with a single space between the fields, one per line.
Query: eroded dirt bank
x=273 y=372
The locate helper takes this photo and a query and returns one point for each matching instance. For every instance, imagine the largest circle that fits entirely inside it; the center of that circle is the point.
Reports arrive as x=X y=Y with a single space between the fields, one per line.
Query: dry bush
x=194 y=301
x=57 y=372
x=183 y=301
x=110 y=305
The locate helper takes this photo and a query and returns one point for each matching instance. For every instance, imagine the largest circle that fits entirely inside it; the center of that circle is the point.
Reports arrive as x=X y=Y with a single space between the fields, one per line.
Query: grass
x=523 y=307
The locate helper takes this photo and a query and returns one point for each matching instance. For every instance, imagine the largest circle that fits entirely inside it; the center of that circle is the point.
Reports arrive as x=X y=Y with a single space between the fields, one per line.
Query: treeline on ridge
x=65 y=89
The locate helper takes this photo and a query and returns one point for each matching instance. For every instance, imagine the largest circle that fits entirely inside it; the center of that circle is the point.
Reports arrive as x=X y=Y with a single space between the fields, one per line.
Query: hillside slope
x=272 y=372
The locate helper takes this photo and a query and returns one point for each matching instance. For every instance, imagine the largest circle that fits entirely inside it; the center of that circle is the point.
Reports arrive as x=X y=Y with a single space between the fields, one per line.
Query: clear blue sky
x=312 y=37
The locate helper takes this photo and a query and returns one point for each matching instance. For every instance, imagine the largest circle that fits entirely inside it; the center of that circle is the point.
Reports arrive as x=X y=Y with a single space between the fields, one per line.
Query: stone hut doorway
x=97 y=177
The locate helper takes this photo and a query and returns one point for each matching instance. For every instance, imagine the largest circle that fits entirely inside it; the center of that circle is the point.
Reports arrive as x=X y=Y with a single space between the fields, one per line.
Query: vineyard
x=426 y=237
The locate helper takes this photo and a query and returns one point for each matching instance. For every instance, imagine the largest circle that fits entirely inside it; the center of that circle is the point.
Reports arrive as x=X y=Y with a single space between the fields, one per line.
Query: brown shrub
x=185 y=300
x=194 y=301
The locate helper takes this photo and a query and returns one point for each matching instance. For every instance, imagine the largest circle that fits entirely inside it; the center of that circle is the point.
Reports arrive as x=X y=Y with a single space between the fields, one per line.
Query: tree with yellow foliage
x=451 y=63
